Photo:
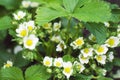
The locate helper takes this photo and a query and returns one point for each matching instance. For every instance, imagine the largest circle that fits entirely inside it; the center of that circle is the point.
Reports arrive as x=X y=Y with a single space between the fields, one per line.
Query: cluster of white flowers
x=24 y=31
x=27 y=4
x=67 y=67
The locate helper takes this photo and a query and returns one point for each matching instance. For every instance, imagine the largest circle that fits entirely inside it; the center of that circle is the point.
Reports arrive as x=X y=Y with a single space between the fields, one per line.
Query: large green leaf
x=70 y=5
x=45 y=14
x=93 y=11
x=98 y=30
x=5 y=22
x=36 y=72
x=115 y=15
x=12 y=73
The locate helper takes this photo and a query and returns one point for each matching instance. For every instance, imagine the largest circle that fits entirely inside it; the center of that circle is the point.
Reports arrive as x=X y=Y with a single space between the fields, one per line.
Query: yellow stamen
x=29 y=42
x=23 y=33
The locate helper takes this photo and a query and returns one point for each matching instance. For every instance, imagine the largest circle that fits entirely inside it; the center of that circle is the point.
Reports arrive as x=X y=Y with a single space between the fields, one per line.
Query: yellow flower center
x=19 y=17
x=29 y=42
x=47 y=63
x=67 y=70
x=111 y=42
x=83 y=58
x=23 y=33
x=30 y=28
x=79 y=42
x=100 y=49
x=99 y=58
x=58 y=64
x=8 y=65
x=86 y=50
x=46 y=26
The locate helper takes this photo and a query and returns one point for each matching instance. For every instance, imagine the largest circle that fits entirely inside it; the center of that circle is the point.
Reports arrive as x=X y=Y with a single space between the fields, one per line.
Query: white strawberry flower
x=22 y=30
x=67 y=69
x=30 y=25
x=56 y=38
x=102 y=49
x=30 y=42
x=8 y=64
x=79 y=66
x=107 y=24
x=56 y=26
x=47 y=26
x=92 y=38
x=47 y=61
x=112 y=41
x=19 y=15
x=77 y=43
x=58 y=62
x=83 y=60
x=101 y=58
x=87 y=52
x=61 y=46
x=110 y=56
x=26 y=3
x=34 y=4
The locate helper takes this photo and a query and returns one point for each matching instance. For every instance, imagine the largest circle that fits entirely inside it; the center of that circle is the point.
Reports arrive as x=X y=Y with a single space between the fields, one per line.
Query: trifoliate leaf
x=36 y=72
x=11 y=73
x=93 y=11
x=98 y=30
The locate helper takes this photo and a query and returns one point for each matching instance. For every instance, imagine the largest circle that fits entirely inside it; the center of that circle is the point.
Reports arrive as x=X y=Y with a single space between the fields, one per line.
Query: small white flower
x=47 y=61
x=112 y=42
x=56 y=26
x=34 y=4
x=22 y=30
x=87 y=52
x=47 y=26
x=77 y=43
x=101 y=58
x=17 y=49
x=106 y=24
x=92 y=38
x=110 y=56
x=102 y=49
x=58 y=62
x=8 y=64
x=26 y=4
x=83 y=60
x=19 y=15
x=56 y=38
x=30 y=25
x=68 y=69
x=79 y=66
x=30 y=41
x=61 y=46
x=104 y=71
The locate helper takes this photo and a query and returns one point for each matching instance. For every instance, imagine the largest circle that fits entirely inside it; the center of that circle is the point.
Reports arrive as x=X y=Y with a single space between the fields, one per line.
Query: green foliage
x=116 y=62
x=10 y=4
x=104 y=78
x=89 y=11
x=12 y=73
x=5 y=22
x=82 y=77
x=98 y=30
x=36 y=72
x=68 y=58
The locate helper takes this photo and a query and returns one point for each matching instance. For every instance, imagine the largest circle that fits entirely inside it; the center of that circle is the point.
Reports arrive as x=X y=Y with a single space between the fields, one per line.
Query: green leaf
x=104 y=78
x=5 y=22
x=68 y=58
x=11 y=73
x=93 y=11
x=70 y=5
x=116 y=61
x=45 y=14
x=98 y=30
x=10 y=4
x=82 y=77
x=36 y=72
x=115 y=15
